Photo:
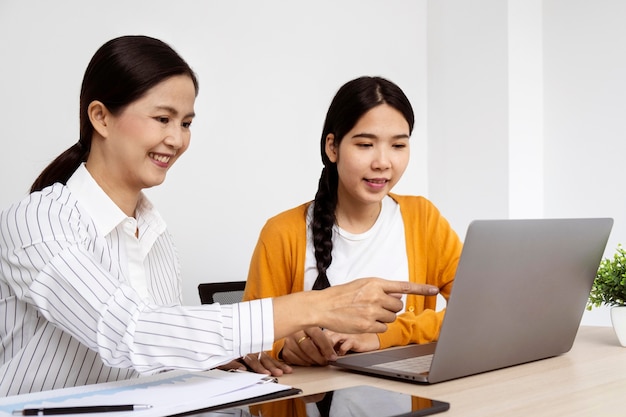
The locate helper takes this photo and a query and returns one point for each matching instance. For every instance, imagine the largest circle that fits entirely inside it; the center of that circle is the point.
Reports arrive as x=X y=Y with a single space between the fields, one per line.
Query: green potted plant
x=609 y=289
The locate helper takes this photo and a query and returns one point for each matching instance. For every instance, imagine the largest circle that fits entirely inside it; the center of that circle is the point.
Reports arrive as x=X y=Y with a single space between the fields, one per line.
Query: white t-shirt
x=378 y=252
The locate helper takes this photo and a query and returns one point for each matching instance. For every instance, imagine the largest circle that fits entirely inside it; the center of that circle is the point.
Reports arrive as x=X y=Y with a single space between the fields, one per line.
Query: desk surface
x=589 y=380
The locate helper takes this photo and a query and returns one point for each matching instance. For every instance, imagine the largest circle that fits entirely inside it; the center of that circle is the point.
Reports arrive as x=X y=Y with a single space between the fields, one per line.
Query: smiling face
x=371 y=157
x=134 y=149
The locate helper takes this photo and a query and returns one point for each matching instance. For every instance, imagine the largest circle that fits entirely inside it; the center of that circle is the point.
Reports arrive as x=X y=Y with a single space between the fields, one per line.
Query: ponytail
x=63 y=166
x=120 y=72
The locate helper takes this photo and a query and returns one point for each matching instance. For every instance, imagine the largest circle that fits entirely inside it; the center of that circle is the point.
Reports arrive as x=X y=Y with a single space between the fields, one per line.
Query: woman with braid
x=356 y=228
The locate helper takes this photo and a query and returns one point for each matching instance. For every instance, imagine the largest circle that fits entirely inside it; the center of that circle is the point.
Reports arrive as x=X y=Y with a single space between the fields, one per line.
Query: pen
x=47 y=411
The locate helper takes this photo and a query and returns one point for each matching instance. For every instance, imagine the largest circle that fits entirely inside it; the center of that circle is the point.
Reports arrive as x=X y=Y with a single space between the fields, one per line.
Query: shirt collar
x=105 y=213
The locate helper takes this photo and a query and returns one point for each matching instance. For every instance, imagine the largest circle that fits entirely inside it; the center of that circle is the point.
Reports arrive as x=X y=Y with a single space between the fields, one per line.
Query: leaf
x=609 y=285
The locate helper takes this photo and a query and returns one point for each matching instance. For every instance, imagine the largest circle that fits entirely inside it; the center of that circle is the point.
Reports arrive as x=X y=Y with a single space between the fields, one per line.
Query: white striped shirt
x=83 y=301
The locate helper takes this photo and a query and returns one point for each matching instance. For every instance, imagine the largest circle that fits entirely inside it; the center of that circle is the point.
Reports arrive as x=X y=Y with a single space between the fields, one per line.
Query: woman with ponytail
x=356 y=228
x=90 y=286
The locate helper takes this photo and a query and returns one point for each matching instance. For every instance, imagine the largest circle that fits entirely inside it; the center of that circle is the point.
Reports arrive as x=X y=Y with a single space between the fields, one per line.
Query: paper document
x=168 y=393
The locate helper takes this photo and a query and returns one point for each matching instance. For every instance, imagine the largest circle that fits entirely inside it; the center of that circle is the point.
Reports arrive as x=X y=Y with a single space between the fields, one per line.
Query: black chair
x=221 y=292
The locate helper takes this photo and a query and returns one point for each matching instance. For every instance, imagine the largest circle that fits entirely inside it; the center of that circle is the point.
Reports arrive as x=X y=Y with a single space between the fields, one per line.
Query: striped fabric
x=82 y=300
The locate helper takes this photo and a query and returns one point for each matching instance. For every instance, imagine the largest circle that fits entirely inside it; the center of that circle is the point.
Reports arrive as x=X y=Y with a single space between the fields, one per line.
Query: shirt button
x=411 y=309
x=129 y=226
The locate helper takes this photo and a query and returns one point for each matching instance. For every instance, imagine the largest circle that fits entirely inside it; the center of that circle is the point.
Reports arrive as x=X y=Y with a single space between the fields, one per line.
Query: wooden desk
x=589 y=380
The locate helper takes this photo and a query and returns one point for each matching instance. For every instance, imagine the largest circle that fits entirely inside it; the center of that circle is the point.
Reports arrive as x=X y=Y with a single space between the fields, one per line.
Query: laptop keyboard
x=417 y=364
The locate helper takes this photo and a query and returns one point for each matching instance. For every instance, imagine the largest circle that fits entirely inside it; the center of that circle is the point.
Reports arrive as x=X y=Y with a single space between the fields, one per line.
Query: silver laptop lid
x=519 y=293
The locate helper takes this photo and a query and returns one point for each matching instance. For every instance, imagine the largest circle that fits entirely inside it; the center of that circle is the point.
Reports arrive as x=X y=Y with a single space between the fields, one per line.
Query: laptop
x=519 y=294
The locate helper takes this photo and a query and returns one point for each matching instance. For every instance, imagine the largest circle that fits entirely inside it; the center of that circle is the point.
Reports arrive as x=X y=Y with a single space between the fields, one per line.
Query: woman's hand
x=344 y=343
x=361 y=306
x=309 y=347
x=365 y=305
x=261 y=363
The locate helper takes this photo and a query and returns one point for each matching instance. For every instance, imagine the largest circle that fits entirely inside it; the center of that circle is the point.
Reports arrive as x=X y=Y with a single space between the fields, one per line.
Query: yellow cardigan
x=433 y=251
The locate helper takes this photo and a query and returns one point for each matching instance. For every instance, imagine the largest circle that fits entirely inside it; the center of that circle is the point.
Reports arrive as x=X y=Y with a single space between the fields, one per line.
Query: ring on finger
x=302 y=339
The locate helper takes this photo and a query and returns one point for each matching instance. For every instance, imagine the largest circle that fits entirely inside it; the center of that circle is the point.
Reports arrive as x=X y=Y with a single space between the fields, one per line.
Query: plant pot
x=618 y=318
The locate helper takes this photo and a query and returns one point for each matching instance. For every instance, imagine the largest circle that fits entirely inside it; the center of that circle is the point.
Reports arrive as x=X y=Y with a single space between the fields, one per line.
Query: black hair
x=120 y=72
x=350 y=103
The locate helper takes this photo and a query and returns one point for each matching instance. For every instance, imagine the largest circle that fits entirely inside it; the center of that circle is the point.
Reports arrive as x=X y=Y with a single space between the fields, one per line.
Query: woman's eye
x=186 y=125
x=162 y=119
x=364 y=145
x=399 y=145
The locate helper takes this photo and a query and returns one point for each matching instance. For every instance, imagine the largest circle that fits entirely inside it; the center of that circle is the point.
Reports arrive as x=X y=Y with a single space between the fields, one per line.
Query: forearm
x=298 y=311
x=411 y=328
x=205 y=336
x=110 y=318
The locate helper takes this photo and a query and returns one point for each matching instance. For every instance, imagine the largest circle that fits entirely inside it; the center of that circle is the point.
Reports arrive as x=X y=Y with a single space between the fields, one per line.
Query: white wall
x=467 y=109
x=585 y=108
x=519 y=105
x=526 y=111
x=267 y=72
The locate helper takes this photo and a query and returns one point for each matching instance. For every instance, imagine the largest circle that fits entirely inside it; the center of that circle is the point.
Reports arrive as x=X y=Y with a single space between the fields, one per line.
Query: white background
x=520 y=106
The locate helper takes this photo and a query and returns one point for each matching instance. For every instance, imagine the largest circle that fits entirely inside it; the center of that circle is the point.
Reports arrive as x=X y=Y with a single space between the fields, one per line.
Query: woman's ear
x=98 y=115
x=331 y=149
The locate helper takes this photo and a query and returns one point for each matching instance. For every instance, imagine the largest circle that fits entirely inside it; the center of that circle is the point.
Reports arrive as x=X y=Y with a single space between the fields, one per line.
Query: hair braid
x=322 y=224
